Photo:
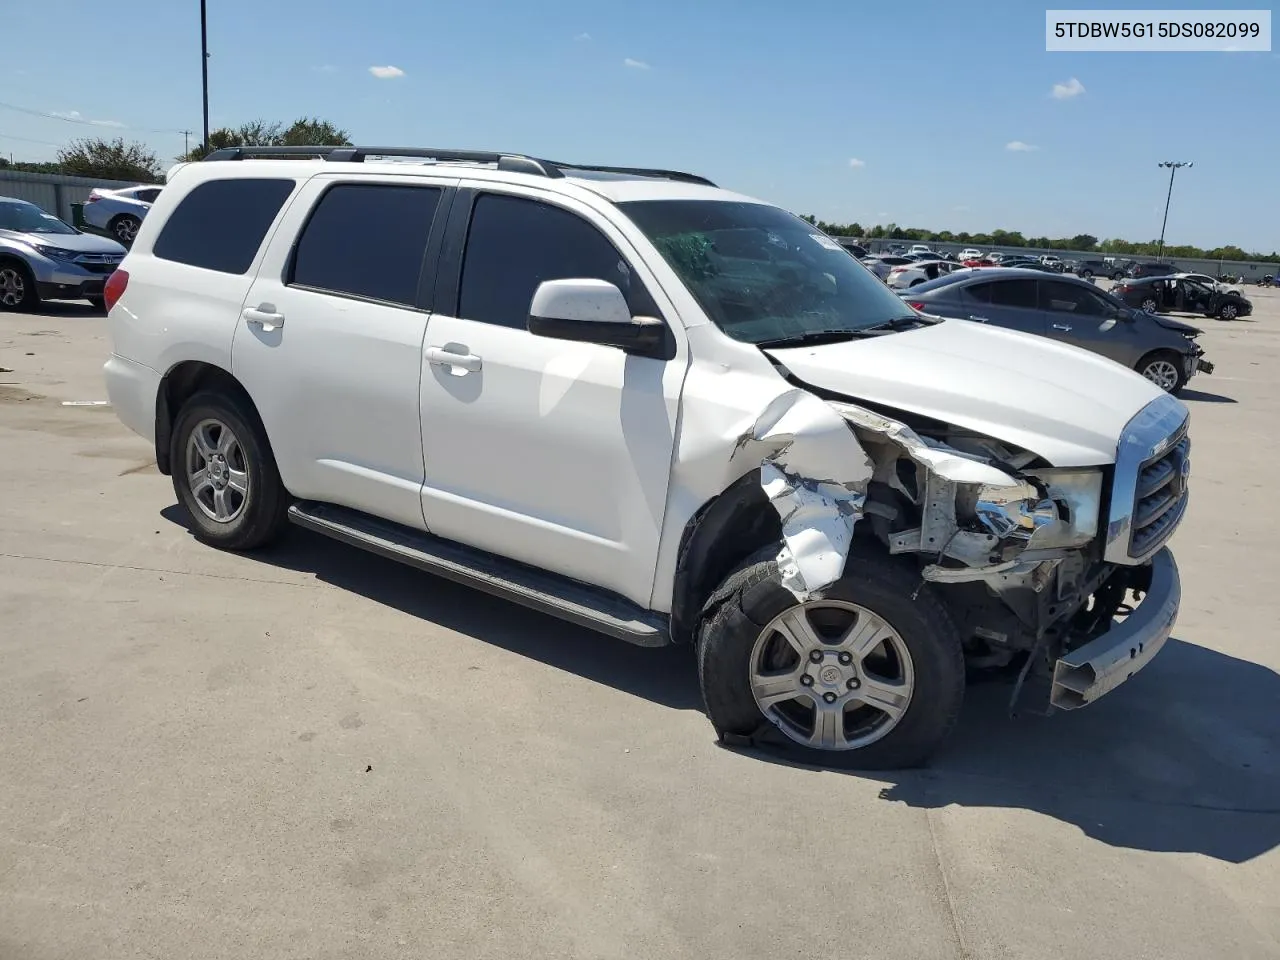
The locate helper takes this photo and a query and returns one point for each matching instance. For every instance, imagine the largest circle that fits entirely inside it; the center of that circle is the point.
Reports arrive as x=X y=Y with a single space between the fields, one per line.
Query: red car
x=980 y=262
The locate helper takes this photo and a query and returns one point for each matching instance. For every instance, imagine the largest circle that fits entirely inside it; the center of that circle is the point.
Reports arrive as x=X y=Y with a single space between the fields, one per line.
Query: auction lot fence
x=53 y=192
x=1250 y=270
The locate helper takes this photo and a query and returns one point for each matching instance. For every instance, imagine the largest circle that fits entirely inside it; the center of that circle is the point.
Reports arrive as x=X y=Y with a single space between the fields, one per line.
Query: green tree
x=303 y=132
x=1082 y=241
x=109 y=160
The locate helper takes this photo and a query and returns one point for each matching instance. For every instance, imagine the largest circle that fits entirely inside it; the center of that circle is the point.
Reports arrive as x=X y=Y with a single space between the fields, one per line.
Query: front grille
x=1161 y=497
x=97 y=267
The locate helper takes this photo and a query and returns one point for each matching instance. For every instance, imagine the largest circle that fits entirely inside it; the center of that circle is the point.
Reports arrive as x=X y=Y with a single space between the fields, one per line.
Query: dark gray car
x=1068 y=309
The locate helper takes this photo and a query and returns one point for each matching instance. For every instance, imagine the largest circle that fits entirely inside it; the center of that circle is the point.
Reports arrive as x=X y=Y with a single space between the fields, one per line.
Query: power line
x=80 y=120
x=47 y=143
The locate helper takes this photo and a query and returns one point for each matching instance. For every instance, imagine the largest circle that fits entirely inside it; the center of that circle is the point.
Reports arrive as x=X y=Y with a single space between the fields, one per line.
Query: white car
x=970 y=253
x=119 y=212
x=914 y=274
x=918 y=248
x=1211 y=282
x=659 y=409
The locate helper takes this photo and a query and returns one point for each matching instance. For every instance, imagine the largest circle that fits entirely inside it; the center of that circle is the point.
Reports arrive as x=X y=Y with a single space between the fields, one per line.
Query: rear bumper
x=1102 y=664
x=132 y=388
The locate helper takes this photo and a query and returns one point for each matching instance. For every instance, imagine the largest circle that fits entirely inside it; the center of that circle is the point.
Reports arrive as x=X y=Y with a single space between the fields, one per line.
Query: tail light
x=115 y=287
x=916 y=305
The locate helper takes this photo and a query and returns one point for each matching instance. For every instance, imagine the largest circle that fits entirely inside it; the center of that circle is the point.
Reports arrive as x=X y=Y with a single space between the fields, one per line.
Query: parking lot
x=316 y=753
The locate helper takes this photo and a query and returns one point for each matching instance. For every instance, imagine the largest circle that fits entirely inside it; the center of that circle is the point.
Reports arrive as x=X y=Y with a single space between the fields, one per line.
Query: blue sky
x=772 y=99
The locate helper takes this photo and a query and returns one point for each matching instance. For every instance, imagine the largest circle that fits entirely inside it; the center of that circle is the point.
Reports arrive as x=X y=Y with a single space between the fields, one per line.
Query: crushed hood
x=1065 y=404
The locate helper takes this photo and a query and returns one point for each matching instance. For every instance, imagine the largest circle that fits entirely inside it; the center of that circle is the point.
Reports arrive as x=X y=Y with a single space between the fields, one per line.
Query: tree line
x=1083 y=242
x=121 y=159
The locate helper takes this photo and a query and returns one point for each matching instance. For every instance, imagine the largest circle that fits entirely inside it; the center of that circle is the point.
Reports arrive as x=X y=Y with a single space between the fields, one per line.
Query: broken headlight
x=1078 y=496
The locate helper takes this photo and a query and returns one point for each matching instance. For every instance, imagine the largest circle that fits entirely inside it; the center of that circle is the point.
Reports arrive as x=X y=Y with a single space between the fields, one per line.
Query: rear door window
x=1014 y=293
x=367 y=240
x=220 y=224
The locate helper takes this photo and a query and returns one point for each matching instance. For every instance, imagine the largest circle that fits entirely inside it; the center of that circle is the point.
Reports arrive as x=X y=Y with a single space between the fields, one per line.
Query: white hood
x=1061 y=402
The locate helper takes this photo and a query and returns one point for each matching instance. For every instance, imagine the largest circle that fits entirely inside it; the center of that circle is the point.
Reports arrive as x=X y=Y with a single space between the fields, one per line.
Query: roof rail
x=514 y=162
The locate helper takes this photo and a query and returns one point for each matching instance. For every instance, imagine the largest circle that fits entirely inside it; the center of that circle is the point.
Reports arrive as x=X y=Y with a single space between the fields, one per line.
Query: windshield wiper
x=909 y=322
x=813 y=338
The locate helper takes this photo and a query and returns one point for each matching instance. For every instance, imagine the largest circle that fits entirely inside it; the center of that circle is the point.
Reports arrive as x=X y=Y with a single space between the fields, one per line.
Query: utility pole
x=1174 y=166
x=204 y=71
x=186 y=143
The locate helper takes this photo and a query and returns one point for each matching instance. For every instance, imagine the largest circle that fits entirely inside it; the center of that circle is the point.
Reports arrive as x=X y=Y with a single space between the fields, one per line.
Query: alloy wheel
x=1149 y=305
x=1162 y=373
x=126 y=229
x=217 y=472
x=13 y=287
x=831 y=675
x=1229 y=311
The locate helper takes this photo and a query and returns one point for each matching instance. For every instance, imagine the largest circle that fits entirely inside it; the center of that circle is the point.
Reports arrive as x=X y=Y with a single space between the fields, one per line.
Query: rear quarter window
x=220 y=224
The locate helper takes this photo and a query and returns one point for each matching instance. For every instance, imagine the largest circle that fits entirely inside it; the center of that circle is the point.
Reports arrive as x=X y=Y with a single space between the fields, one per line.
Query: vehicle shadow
x=69 y=308
x=666 y=676
x=1184 y=757
x=1199 y=396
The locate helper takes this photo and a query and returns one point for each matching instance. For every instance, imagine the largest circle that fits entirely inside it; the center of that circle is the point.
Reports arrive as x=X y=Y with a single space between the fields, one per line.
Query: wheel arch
x=718 y=537
x=183 y=381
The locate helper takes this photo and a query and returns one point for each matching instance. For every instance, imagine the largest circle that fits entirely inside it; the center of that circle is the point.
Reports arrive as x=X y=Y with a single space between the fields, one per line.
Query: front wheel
x=224 y=473
x=17 y=287
x=1229 y=311
x=866 y=673
x=1149 y=305
x=1164 y=368
x=1086 y=275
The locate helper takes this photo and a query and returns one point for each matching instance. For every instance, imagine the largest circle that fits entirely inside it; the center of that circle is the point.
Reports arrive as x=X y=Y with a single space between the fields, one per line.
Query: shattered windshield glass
x=762 y=274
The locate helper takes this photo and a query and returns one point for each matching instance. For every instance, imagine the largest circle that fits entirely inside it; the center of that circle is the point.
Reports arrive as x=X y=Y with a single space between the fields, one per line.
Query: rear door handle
x=1062 y=326
x=264 y=315
x=441 y=357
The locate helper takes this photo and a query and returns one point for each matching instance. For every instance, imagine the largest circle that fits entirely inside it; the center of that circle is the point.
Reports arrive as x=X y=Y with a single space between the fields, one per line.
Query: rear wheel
x=17 y=287
x=865 y=673
x=1163 y=368
x=1086 y=274
x=1228 y=311
x=1149 y=305
x=224 y=473
x=125 y=228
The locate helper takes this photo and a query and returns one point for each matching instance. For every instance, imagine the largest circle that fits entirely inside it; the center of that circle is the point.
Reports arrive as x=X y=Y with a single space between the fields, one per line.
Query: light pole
x=1174 y=166
x=204 y=72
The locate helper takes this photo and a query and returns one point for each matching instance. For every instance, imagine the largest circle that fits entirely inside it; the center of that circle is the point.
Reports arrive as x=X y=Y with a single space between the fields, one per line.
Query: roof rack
x=514 y=162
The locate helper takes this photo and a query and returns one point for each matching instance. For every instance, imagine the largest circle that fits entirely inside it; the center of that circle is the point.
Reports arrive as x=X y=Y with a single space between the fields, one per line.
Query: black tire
x=1228 y=311
x=1118 y=276
x=1086 y=274
x=1168 y=356
x=264 y=510
x=1150 y=305
x=753 y=595
x=124 y=228
x=915 y=283
x=16 y=274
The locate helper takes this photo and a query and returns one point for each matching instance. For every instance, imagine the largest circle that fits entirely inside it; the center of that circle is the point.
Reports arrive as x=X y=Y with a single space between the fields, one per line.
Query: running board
x=536 y=589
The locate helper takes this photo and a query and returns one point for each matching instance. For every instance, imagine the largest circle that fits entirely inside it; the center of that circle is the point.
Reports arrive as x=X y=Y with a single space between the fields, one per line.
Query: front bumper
x=1086 y=673
x=66 y=280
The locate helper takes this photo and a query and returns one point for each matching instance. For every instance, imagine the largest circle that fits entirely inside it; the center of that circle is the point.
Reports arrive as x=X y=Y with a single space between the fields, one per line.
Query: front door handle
x=441 y=357
x=1064 y=327
x=264 y=315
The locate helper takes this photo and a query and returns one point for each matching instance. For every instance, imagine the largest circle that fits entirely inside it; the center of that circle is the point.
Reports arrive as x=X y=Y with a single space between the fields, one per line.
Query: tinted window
x=334 y=252
x=945 y=280
x=515 y=244
x=147 y=196
x=1006 y=293
x=220 y=224
x=1062 y=297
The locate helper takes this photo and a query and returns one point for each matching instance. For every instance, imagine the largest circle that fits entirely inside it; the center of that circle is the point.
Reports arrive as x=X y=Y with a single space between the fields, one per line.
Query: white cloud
x=79 y=117
x=386 y=73
x=1065 y=91
x=582 y=37
x=635 y=64
x=856 y=163
x=1017 y=146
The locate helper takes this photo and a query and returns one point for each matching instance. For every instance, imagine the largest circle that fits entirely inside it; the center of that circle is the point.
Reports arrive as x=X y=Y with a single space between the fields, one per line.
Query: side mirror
x=593 y=311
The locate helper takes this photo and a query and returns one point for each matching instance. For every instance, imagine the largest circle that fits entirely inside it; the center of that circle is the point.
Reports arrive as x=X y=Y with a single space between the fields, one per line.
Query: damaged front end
x=1022 y=553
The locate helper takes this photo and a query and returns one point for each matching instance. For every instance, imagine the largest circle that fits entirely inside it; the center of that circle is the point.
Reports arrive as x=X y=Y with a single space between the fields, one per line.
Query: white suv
x=641 y=403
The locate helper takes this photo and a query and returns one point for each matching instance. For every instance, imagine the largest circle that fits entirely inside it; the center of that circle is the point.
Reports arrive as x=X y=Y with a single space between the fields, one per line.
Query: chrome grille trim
x=1149 y=495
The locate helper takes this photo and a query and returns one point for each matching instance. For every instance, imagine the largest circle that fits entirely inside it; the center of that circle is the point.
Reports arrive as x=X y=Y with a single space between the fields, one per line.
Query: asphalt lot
x=315 y=753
